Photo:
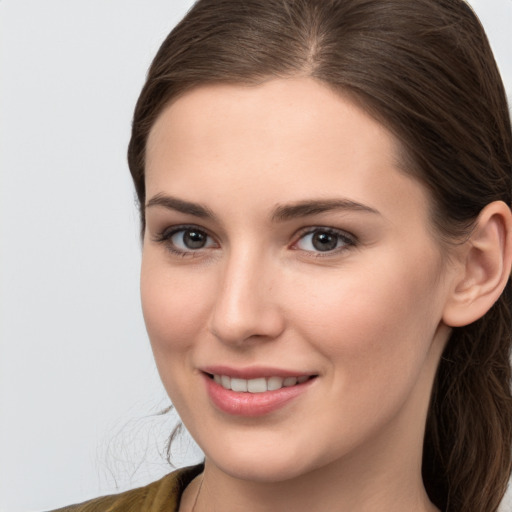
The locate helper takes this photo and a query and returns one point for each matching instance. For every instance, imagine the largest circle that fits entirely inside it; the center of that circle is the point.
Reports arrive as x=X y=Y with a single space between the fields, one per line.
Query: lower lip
x=252 y=404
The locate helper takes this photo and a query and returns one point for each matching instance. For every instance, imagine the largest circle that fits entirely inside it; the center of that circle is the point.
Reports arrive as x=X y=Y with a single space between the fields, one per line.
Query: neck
x=304 y=496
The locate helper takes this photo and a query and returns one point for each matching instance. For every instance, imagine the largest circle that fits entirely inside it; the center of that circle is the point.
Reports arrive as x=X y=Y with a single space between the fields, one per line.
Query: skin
x=366 y=317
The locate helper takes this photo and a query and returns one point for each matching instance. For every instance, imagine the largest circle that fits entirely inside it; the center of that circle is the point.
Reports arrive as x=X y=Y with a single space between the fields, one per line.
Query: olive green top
x=161 y=496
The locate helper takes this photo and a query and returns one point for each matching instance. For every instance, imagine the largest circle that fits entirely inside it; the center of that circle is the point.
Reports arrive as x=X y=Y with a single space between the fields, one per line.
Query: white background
x=78 y=386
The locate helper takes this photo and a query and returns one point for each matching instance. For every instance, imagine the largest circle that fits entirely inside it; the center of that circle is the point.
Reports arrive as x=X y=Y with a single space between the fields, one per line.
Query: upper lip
x=253 y=372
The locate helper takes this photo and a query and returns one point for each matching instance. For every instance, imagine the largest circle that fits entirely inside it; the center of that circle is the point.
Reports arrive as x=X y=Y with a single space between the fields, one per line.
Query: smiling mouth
x=260 y=384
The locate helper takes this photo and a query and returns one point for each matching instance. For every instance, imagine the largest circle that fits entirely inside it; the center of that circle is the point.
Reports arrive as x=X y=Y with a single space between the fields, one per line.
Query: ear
x=485 y=265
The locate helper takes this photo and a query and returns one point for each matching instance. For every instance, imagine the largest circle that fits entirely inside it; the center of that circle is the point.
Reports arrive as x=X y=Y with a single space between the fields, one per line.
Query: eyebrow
x=281 y=213
x=173 y=203
x=315 y=207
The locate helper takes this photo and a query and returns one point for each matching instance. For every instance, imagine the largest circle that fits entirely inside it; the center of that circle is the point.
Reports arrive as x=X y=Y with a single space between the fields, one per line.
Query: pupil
x=324 y=241
x=194 y=239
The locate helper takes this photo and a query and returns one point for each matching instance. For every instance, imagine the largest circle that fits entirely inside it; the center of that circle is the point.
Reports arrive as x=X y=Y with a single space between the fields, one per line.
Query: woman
x=325 y=191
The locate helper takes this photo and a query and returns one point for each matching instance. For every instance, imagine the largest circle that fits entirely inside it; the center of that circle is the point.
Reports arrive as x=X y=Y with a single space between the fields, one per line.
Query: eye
x=185 y=240
x=324 y=240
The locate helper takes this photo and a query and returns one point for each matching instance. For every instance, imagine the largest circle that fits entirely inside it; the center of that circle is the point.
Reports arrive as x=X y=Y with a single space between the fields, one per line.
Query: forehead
x=270 y=112
x=282 y=139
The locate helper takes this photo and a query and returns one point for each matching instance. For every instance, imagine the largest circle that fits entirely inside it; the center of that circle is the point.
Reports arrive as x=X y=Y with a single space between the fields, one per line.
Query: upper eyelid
x=311 y=229
x=171 y=230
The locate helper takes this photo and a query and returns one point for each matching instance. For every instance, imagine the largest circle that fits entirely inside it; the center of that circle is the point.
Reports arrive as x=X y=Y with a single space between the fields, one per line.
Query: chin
x=263 y=464
x=260 y=471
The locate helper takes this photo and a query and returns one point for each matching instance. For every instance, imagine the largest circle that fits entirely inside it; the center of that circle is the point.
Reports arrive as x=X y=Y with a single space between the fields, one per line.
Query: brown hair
x=423 y=68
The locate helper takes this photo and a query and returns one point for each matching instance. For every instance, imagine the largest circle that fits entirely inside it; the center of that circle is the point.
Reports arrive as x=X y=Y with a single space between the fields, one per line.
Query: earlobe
x=484 y=267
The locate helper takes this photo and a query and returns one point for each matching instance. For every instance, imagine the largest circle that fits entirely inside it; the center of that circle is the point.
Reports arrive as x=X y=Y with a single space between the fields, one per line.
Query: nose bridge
x=246 y=305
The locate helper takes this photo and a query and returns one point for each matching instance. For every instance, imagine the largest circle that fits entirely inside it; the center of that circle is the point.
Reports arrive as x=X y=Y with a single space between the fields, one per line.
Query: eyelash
x=165 y=237
x=348 y=240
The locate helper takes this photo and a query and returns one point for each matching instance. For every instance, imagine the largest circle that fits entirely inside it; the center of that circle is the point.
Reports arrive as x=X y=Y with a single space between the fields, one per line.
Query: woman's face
x=283 y=242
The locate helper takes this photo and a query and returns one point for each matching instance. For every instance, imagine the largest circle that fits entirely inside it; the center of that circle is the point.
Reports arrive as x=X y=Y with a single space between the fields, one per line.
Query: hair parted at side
x=425 y=70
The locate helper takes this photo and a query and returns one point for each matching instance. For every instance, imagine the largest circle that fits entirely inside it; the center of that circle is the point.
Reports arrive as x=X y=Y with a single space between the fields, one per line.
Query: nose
x=247 y=306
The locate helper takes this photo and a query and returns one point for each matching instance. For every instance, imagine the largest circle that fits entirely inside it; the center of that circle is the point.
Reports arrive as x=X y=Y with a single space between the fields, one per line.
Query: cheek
x=374 y=327
x=174 y=305
x=175 y=309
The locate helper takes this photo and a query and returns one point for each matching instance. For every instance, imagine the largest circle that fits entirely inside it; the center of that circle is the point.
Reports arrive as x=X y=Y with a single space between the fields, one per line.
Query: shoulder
x=159 y=496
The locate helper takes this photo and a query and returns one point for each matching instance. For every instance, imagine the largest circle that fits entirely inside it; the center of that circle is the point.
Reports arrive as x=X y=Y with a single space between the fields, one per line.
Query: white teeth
x=290 y=381
x=258 y=385
x=274 y=383
x=239 y=385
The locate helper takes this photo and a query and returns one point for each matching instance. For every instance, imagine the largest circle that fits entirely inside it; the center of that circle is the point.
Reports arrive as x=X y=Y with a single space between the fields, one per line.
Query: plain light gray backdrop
x=78 y=384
